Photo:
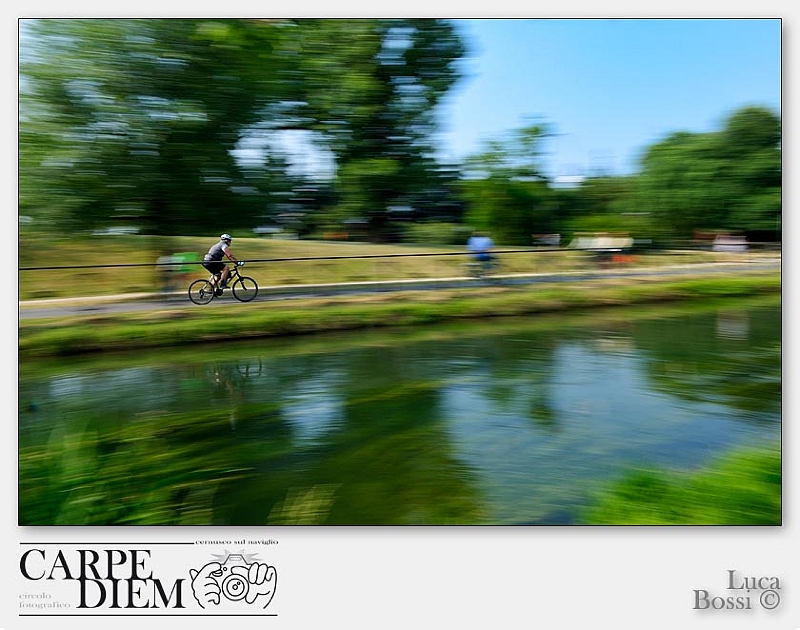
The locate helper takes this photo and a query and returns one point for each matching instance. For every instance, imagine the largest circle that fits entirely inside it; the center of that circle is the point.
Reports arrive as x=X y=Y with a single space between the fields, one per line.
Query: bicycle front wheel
x=201 y=292
x=244 y=289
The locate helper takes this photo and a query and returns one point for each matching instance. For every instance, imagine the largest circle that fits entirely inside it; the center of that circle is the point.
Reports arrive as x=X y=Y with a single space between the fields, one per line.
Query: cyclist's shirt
x=217 y=251
x=479 y=244
x=479 y=247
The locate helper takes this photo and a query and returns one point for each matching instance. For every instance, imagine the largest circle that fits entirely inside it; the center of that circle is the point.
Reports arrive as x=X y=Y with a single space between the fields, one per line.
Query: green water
x=504 y=422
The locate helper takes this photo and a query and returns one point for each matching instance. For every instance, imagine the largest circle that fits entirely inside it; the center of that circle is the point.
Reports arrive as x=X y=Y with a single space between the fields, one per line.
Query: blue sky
x=608 y=87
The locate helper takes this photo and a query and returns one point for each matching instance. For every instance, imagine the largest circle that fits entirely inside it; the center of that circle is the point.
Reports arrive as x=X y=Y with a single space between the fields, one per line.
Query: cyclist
x=213 y=262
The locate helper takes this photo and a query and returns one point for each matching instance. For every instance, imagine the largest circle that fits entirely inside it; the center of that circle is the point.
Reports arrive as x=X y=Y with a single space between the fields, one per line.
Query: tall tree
x=723 y=180
x=139 y=117
x=371 y=101
x=184 y=123
x=506 y=190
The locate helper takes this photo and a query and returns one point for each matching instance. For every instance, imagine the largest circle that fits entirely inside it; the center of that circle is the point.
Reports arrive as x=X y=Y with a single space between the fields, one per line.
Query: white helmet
x=225 y=237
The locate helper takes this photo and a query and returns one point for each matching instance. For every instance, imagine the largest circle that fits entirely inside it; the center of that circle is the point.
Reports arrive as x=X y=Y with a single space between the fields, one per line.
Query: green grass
x=220 y=322
x=742 y=488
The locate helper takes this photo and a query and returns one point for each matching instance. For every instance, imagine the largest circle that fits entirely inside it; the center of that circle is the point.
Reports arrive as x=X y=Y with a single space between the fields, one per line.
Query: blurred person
x=213 y=262
x=166 y=273
x=480 y=245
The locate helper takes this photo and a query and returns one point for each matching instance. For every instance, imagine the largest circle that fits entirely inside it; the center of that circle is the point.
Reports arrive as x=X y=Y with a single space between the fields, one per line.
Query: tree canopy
x=182 y=124
x=723 y=180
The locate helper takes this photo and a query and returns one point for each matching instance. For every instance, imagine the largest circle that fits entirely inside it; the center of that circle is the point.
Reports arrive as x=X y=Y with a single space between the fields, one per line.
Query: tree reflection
x=718 y=357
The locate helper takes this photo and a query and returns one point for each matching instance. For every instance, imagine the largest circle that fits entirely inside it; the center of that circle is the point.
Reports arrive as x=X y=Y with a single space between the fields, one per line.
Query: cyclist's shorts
x=483 y=257
x=214 y=266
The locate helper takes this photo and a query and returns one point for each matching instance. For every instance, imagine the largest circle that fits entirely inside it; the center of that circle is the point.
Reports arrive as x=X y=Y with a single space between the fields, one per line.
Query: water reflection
x=456 y=425
x=733 y=325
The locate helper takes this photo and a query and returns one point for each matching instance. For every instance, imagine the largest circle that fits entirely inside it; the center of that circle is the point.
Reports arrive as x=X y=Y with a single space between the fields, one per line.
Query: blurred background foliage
x=329 y=127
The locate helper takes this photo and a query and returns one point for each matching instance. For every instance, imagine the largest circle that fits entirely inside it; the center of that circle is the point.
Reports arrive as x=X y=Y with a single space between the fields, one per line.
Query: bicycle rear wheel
x=493 y=272
x=473 y=269
x=201 y=292
x=244 y=289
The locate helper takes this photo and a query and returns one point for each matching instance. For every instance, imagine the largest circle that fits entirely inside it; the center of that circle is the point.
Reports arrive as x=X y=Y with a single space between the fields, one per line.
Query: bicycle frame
x=233 y=276
x=482 y=268
x=244 y=288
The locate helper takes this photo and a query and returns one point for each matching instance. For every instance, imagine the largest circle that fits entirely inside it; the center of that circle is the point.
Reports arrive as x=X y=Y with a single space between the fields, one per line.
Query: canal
x=508 y=421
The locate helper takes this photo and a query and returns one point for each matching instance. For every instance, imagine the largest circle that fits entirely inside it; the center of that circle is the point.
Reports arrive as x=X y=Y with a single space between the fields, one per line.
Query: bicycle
x=244 y=288
x=480 y=269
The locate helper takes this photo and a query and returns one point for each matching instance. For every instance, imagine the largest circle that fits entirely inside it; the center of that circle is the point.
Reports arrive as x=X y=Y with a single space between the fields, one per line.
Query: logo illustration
x=236 y=578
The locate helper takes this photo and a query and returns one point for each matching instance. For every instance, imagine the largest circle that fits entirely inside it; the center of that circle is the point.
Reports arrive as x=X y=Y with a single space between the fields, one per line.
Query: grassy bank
x=108 y=265
x=176 y=327
x=743 y=488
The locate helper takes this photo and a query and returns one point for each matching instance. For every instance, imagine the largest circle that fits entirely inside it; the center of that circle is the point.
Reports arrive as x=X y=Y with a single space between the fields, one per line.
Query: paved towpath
x=131 y=302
